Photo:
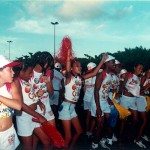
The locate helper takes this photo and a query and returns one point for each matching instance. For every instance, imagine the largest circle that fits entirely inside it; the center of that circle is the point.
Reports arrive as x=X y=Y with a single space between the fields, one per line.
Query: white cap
x=109 y=58
x=58 y=65
x=91 y=65
x=117 y=62
x=4 y=62
x=123 y=71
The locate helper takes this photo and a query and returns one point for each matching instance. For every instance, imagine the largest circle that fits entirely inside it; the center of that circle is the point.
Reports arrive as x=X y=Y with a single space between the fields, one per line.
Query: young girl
x=73 y=85
x=25 y=125
x=131 y=90
x=89 y=90
x=42 y=83
x=9 y=99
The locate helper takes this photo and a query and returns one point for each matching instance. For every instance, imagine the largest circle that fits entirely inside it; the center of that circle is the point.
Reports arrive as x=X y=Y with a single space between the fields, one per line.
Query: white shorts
x=105 y=108
x=54 y=100
x=141 y=103
x=67 y=111
x=128 y=102
x=25 y=125
x=87 y=105
x=9 y=139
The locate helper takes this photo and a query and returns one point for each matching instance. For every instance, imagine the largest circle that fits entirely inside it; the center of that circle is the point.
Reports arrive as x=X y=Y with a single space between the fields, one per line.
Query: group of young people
x=130 y=90
x=35 y=87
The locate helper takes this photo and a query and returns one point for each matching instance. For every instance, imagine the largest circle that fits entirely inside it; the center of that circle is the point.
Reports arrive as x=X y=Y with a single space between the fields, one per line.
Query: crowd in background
x=116 y=102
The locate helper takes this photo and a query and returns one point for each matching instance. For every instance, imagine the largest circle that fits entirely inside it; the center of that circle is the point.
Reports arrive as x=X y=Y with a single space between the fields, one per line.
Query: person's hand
x=105 y=56
x=46 y=79
x=42 y=107
x=40 y=92
x=42 y=120
x=118 y=95
x=109 y=101
x=98 y=116
x=98 y=113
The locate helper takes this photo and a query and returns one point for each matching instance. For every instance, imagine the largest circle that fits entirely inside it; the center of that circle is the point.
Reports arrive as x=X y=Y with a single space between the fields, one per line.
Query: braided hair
x=43 y=58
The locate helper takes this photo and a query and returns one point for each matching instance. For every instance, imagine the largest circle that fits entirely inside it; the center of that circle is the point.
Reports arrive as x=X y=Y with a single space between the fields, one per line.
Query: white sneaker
x=94 y=145
x=109 y=141
x=140 y=144
x=103 y=144
x=114 y=139
x=89 y=134
x=145 y=137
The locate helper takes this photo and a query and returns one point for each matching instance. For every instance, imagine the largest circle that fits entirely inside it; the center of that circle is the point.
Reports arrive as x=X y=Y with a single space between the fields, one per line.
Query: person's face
x=26 y=75
x=148 y=74
x=76 y=68
x=6 y=75
x=111 y=65
x=138 y=69
x=118 y=68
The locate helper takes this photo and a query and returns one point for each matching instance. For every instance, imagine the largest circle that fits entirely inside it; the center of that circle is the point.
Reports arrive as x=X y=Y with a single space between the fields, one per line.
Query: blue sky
x=94 y=26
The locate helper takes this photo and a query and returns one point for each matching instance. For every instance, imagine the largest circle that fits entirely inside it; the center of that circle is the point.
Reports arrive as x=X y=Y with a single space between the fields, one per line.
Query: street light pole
x=9 y=47
x=54 y=23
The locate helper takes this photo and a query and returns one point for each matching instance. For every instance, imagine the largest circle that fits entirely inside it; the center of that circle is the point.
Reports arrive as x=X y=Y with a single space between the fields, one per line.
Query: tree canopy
x=129 y=57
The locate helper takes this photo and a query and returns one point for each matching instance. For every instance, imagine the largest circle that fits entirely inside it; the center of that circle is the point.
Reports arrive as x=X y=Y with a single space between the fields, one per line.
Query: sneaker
x=114 y=139
x=103 y=144
x=145 y=137
x=140 y=144
x=109 y=141
x=89 y=134
x=94 y=145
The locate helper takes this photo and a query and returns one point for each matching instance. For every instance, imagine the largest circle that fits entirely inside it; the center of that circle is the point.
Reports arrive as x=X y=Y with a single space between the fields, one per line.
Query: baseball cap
x=109 y=58
x=123 y=71
x=117 y=62
x=91 y=65
x=5 y=62
x=58 y=65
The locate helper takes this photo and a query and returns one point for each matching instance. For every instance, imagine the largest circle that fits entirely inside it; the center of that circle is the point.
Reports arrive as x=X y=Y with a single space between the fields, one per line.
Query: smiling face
x=6 y=75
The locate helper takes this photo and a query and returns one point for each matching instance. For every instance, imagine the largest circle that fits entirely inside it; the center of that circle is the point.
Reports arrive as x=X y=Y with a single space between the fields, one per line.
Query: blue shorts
x=141 y=103
x=105 y=107
x=128 y=102
x=67 y=111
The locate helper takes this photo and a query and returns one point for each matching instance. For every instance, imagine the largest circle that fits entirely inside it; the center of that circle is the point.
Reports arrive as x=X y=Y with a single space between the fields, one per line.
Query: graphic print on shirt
x=29 y=90
x=133 y=85
x=5 y=111
x=106 y=85
x=76 y=90
x=115 y=82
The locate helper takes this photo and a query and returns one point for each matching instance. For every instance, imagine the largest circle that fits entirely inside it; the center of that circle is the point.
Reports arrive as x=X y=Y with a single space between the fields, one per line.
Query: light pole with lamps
x=9 y=47
x=54 y=23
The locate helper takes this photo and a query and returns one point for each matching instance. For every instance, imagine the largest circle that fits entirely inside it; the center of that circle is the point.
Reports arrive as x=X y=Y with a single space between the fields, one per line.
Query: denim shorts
x=67 y=111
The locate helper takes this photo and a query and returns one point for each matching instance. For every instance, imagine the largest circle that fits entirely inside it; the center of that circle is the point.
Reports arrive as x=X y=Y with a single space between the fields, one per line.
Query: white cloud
x=30 y=26
x=75 y=10
x=101 y=26
x=39 y=8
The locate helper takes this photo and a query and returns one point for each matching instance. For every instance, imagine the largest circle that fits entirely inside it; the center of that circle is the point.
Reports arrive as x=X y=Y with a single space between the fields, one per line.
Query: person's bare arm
x=98 y=82
x=16 y=101
x=95 y=71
